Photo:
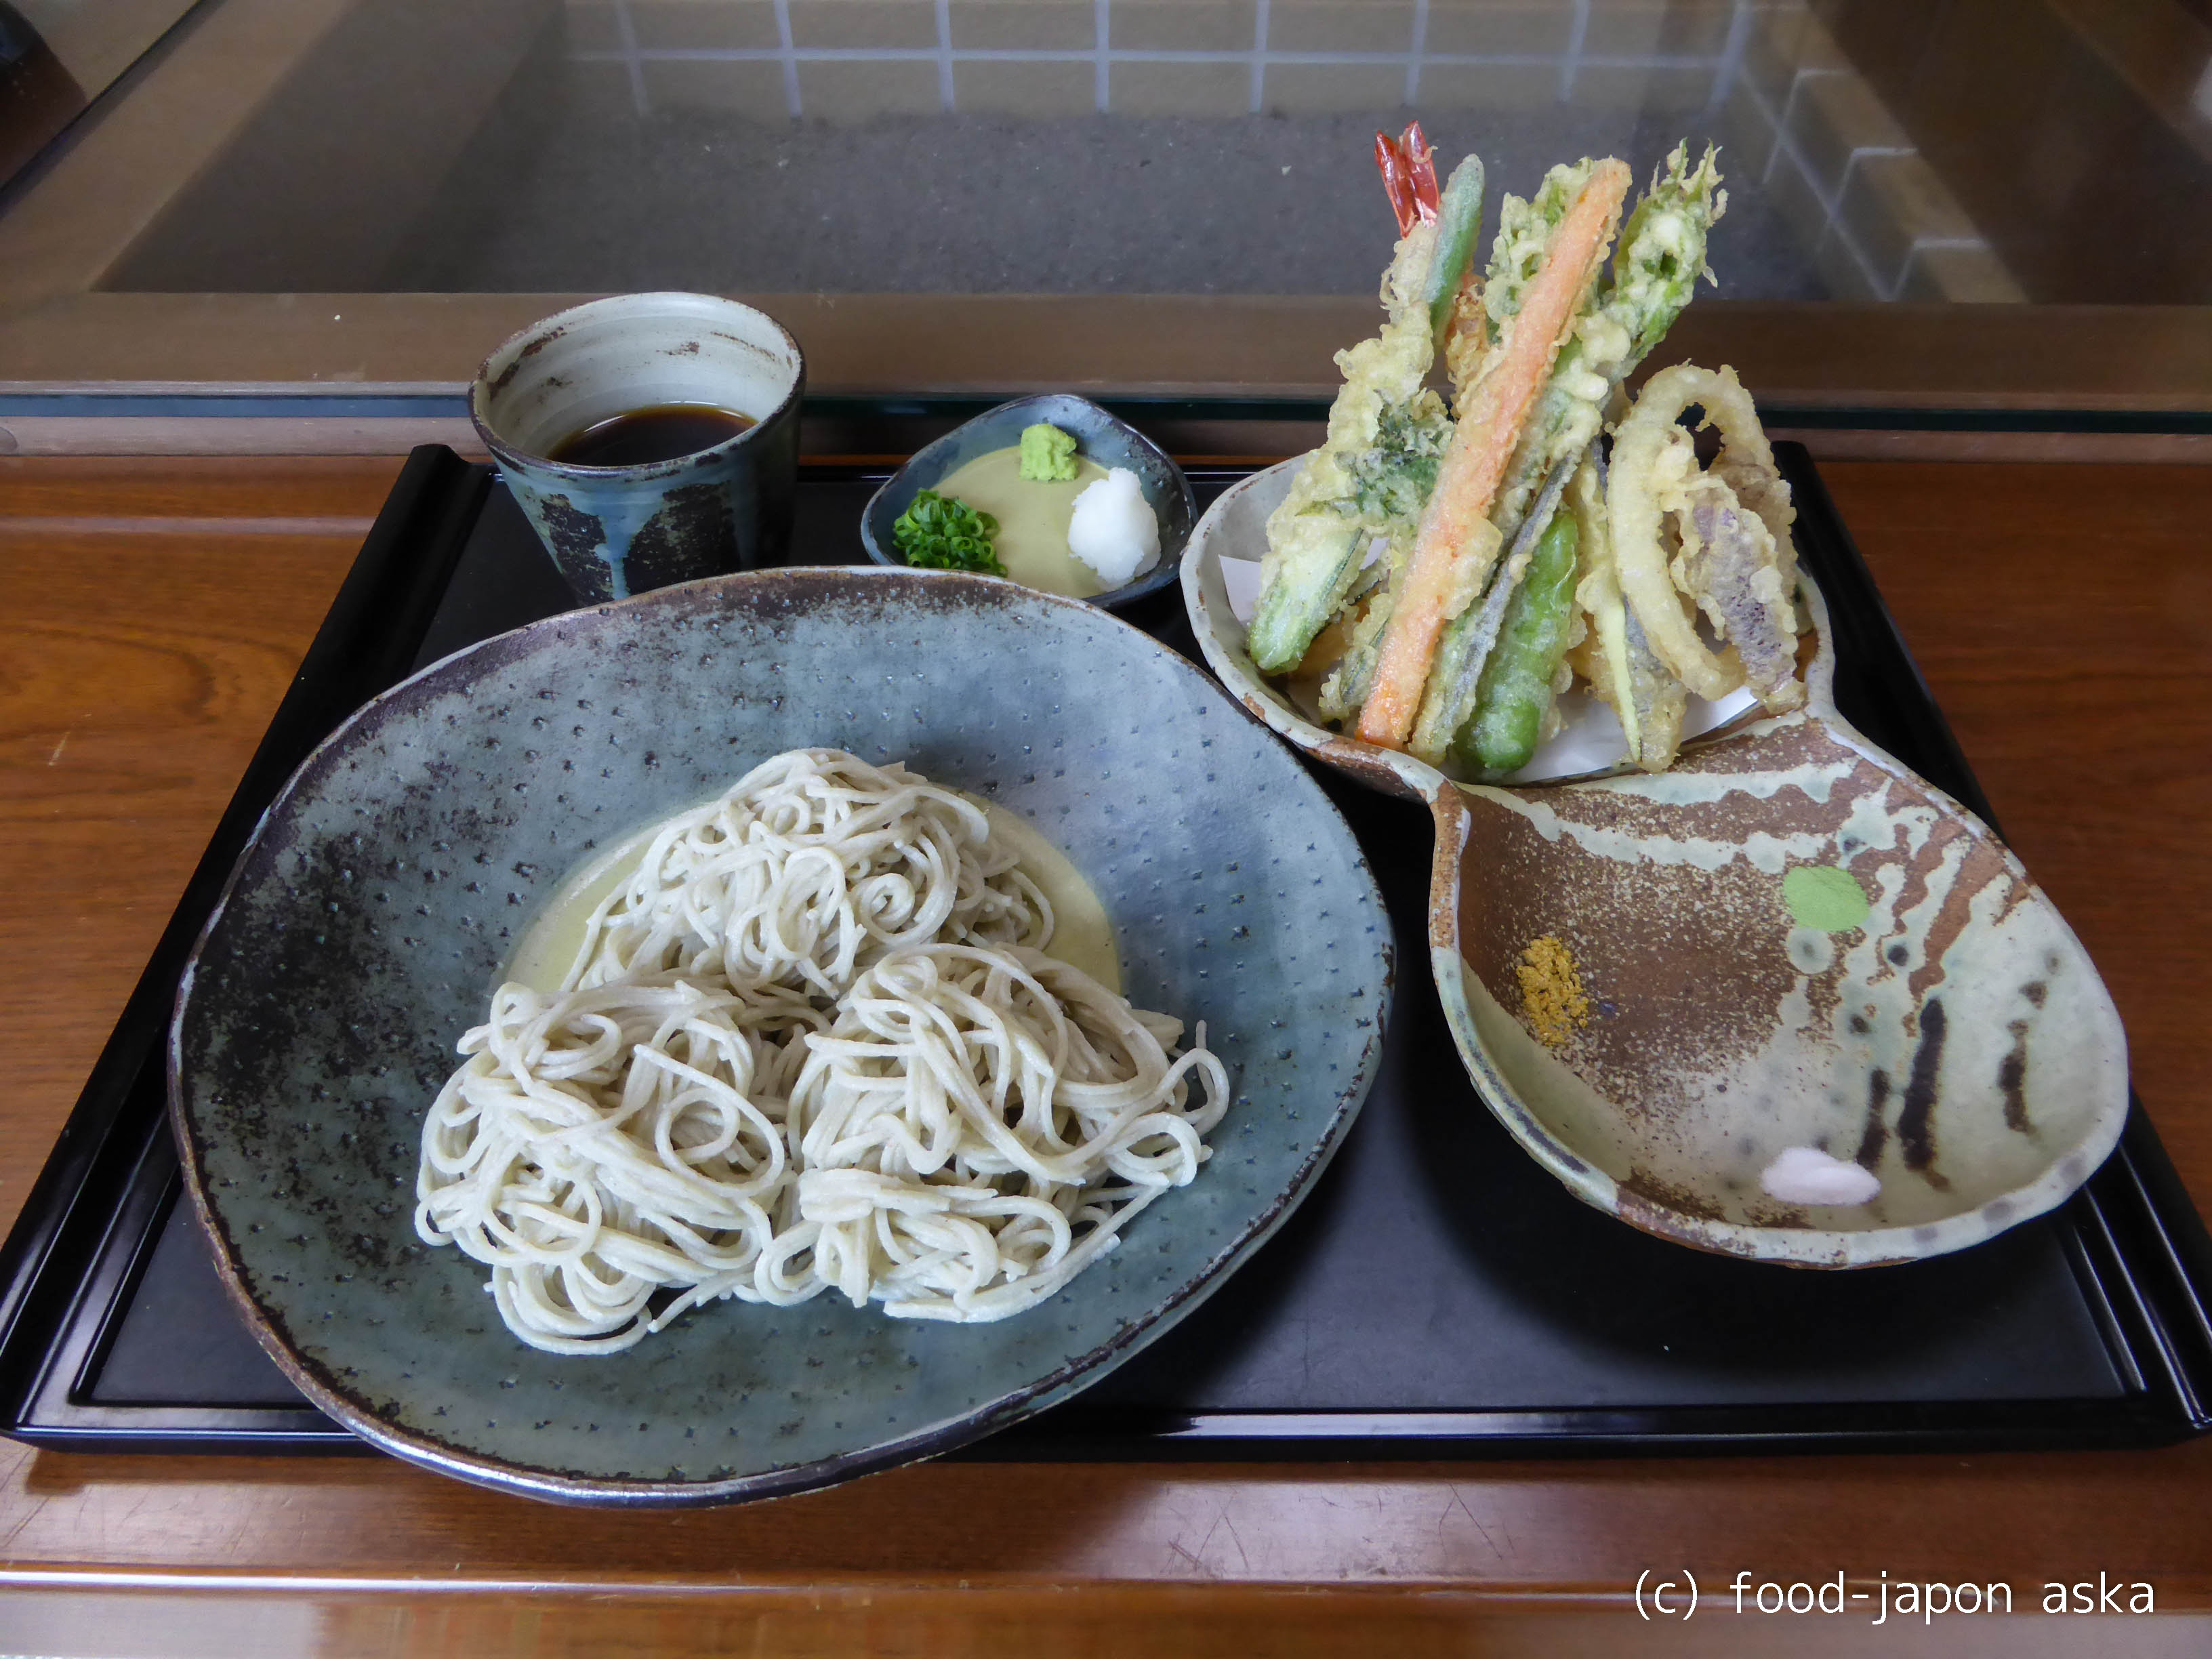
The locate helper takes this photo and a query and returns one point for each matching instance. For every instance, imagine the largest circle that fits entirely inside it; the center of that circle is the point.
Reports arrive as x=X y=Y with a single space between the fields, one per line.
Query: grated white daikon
x=1114 y=529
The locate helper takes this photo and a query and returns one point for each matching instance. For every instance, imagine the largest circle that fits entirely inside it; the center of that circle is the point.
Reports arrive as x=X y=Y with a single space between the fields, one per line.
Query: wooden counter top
x=156 y=610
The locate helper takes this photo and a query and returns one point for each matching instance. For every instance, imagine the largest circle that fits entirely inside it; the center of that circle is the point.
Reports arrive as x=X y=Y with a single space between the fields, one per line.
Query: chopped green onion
x=942 y=532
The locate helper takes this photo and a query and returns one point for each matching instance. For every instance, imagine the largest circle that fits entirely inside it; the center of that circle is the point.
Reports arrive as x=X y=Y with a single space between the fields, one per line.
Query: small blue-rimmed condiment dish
x=1099 y=435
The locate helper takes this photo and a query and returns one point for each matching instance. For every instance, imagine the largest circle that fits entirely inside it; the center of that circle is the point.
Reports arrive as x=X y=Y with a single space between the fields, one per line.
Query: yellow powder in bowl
x=1552 y=994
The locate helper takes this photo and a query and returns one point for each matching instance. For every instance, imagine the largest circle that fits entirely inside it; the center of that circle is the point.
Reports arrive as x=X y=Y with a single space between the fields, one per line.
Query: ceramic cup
x=616 y=531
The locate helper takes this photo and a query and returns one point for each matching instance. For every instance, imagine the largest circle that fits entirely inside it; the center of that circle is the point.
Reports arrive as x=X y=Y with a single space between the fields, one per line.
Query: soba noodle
x=812 y=1043
x=813 y=863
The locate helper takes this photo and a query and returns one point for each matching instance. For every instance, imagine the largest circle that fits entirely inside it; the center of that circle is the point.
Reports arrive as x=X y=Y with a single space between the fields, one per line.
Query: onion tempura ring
x=1634 y=504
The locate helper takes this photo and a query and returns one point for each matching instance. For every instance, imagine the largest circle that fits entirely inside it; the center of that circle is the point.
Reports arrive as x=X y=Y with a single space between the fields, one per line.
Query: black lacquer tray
x=1438 y=1294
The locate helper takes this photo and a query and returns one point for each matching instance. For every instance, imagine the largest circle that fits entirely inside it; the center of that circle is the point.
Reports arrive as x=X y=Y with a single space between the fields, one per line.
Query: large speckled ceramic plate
x=387 y=885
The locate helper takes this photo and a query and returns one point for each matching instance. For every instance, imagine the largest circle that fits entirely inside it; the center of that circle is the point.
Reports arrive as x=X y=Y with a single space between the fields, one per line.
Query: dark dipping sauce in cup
x=643 y=435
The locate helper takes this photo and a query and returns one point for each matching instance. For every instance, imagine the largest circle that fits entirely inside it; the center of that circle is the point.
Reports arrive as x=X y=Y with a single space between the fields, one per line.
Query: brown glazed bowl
x=1789 y=943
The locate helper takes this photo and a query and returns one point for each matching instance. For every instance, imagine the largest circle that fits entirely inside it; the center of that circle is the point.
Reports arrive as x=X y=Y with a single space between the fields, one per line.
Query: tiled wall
x=1800 y=123
x=847 y=59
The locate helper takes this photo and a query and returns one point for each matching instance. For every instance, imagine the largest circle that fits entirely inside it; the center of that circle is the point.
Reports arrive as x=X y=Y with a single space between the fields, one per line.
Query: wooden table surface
x=155 y=611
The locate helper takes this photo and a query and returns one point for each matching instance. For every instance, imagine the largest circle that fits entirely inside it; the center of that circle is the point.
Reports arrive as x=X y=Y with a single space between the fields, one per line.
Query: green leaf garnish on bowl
x=942 y=532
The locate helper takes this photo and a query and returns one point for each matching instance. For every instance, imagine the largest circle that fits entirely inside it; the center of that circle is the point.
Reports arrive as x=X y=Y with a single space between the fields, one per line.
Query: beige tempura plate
x=1806 y=970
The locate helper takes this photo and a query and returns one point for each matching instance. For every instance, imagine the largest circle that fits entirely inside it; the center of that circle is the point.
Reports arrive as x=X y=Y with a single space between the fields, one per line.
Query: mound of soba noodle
x=813 y=1042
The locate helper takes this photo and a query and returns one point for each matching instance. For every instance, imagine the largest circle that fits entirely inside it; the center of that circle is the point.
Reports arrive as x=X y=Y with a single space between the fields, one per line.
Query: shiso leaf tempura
x=1447 y=578
x=1387 y=431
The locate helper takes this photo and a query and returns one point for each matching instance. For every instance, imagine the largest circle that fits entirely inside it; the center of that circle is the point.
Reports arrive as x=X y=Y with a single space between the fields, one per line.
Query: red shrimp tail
x=1408 y=166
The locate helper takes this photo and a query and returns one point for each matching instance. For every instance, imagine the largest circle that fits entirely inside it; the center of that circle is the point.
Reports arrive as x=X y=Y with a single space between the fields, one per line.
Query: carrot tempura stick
x=1450 y=553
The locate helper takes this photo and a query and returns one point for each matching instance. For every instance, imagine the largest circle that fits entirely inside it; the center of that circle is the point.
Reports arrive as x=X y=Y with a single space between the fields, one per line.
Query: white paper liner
x=1589 y=737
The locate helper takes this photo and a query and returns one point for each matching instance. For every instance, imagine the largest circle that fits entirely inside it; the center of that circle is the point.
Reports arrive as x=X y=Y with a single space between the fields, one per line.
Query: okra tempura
x=1445 y=573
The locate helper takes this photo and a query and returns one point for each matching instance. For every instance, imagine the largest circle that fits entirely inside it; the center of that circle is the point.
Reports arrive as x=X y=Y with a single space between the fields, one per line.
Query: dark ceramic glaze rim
x=507 y=454
x=479 y=1469
x=1167 y=571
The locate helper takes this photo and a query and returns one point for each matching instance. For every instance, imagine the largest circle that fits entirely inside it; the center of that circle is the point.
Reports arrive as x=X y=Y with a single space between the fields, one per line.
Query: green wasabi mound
x=1047 y=454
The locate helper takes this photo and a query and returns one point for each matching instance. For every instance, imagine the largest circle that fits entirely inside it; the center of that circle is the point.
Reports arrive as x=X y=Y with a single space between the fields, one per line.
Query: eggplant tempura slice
x=1734 y=556
x=1729 y=565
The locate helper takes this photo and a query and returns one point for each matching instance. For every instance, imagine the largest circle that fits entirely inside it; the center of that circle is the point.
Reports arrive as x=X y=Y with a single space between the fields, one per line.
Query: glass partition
x=1969 y=157
x=57 y=54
